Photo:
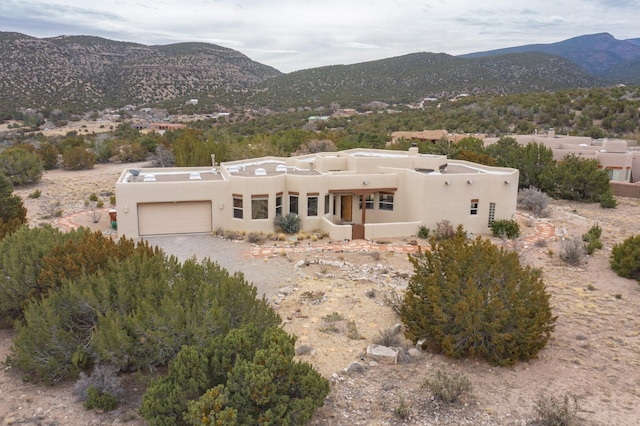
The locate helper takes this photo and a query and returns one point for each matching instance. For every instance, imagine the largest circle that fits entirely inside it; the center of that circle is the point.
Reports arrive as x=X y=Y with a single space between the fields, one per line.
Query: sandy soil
x=594 y=352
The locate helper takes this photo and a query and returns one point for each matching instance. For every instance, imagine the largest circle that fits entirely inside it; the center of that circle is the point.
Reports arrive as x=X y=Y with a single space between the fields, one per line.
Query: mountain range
x=80 y=73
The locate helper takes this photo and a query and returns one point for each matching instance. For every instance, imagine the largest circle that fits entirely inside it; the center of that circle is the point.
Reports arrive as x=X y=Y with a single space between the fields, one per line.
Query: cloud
x=292 y=34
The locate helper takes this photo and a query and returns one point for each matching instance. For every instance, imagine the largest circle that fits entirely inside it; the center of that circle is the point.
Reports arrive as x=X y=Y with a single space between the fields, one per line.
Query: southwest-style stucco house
x=621 y=161
x=353 y=194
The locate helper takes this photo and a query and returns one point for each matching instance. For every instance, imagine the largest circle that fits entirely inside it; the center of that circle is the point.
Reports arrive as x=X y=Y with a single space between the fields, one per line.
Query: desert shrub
x=572 y=251
x=255 y=237
x=608 y=200
x=423 y=232
x=248 y=376
x=100 y=390
x=100 y=400
x=535 y=200
x=448 y=387
x=13 y=214
x=289 y=223
x=129 y=153
x=592 y=239
x=137 y=313
x=78 y=158
x=576 y=179
x=93 y=197
x=594 y=233
x=403 y=410
x=389 y=337
x=592 y=246
x=505 y=228
x=472 y=298
x=625 y=258
x=104 y=379
x=21 y=260
x=553 y=411
x=444 y=230
x=35 y=194
x=20 y=166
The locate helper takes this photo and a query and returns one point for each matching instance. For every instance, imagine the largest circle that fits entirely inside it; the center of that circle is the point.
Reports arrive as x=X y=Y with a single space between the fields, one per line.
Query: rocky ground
x=338 y=306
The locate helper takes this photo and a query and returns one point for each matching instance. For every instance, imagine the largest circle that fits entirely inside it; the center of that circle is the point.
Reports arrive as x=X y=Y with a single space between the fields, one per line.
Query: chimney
x=413 y=150
x=551 y=133
x=213 y=160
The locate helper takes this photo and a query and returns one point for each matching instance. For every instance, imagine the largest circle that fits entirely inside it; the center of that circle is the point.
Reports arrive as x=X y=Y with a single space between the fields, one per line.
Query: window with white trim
x=279 y=204
x=237 y=207
x=474 y=207
x=312 y=205
x=386 y=201
x=259 y=207
x=293 y=203
x=368 y=200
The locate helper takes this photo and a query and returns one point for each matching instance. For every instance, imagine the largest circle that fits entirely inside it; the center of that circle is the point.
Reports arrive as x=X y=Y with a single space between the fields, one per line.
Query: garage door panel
x=174 y=218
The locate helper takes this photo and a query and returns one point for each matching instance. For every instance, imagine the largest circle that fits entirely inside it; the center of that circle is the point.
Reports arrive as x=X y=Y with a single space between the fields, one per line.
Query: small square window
x=474 y=207
x=386 y=202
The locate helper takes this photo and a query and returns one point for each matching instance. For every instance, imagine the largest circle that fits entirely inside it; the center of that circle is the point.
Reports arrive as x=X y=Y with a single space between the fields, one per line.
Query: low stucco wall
x=622 y=189
x=390 y=230
x=336 y=232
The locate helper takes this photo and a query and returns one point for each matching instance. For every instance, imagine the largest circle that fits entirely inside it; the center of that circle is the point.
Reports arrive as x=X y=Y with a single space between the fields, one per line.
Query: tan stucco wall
x=419 y=198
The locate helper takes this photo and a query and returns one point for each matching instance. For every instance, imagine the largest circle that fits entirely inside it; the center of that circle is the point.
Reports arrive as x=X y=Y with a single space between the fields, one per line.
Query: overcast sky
x=297 y=34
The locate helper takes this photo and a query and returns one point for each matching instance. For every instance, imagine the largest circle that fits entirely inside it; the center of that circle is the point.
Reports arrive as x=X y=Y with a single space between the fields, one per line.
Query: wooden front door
x=346 y=203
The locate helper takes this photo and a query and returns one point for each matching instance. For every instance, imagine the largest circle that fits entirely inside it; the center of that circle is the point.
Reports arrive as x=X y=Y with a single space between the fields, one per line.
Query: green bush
x=423 y=232
x=100 y=400
x=608 y=200
x=625 y=258
x=13 y=214
x=594 y=233
x=137 y=313
x=20 y=166
x=475 y=299
x=21 y=260
x=78 y=158
x=35 y=194
x=247 y=376
x=289 y=223
x=448 y=387
x=505 y=228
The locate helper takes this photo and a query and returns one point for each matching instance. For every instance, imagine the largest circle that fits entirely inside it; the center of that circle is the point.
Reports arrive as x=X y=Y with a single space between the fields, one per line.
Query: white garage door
x=174 y=218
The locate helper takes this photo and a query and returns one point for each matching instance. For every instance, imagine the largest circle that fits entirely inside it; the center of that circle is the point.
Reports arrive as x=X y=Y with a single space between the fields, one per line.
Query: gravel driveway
x=267 y=274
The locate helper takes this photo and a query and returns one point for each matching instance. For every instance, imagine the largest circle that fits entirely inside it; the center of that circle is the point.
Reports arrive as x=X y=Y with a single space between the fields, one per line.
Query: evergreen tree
x=21 y=260
x=475 y=299
x=20 y=166
x=576 y=179
x=13 y=214
x=247 y=376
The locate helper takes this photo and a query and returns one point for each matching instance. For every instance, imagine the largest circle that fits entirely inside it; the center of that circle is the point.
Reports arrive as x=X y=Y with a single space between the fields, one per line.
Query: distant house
x=353 y=194
x=432 y=136
x=614 y=155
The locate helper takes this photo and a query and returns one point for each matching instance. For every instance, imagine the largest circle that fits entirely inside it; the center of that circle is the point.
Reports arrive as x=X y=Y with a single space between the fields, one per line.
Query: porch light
x=507 y=182
x=469 y=181
x=447 y=182
x=366 y=182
